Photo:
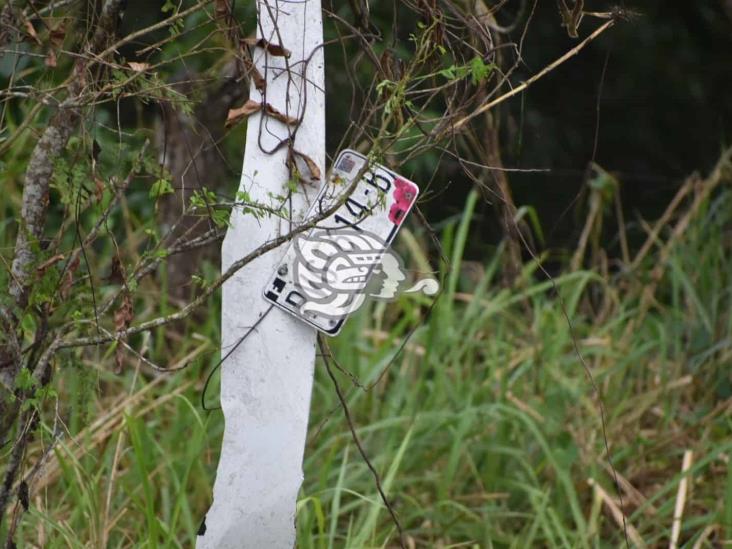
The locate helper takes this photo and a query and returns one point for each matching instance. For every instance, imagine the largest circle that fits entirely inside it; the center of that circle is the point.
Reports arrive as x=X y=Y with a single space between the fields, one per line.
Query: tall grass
x=484 y=428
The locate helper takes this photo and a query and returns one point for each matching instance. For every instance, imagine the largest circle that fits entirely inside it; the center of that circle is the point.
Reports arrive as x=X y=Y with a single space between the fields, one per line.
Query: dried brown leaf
x=123 y=315
x=43 y=267
x=122 y=320
x=51 y=60
x=138 y=67
x=273 y=49
x=65 y=288
x=98 y=188
x=117 y=272
x=57 y=36
x=249 y=67
x=277 y=115
x=32 y=32
x=313 y=168
x=238 y=114
x=259 y=82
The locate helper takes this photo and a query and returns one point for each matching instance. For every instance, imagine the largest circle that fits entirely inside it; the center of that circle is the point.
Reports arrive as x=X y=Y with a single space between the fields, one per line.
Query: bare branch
x=520 y=88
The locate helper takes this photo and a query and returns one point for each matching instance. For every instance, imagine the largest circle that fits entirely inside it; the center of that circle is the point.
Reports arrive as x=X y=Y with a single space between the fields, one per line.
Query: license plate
x=326 y=272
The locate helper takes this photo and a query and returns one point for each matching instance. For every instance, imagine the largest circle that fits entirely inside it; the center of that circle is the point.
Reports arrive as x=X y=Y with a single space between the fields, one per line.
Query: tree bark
x=189 y=150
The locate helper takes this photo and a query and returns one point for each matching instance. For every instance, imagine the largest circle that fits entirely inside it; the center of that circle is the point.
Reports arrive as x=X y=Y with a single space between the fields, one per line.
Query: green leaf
x=448 y=73
x=385 y=86
x=243 y=196
x=479 y=71
x=24 y=379
x=28 y=325
x=199 y=281
x=455 y=72
x=220 y=217
x=160 y=187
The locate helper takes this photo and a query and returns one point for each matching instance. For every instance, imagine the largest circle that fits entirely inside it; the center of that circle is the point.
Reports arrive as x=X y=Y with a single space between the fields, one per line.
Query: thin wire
x=590 y=377
x=357 y=441
x=227 y=355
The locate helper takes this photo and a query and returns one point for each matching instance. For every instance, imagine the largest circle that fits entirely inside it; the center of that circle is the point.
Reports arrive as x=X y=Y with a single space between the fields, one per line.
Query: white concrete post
x=266 y=383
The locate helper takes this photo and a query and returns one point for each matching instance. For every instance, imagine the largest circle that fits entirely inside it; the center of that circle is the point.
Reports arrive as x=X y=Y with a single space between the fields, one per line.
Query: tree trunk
x=188 y=146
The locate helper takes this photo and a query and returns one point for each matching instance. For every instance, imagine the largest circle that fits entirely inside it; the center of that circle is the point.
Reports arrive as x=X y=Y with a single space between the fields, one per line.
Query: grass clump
x=485 y=428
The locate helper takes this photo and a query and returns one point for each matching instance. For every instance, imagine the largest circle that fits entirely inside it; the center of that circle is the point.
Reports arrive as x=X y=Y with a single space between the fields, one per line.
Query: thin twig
x=357 y=442
x=520 y=88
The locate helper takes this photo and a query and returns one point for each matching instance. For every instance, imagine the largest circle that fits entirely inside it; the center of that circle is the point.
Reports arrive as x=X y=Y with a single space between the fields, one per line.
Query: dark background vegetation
x=665 y=111
x=662 y=110
x=665 y=108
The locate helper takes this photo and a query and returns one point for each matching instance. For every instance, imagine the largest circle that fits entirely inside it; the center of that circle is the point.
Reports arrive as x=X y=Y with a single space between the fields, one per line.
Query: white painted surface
x=266 y=383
